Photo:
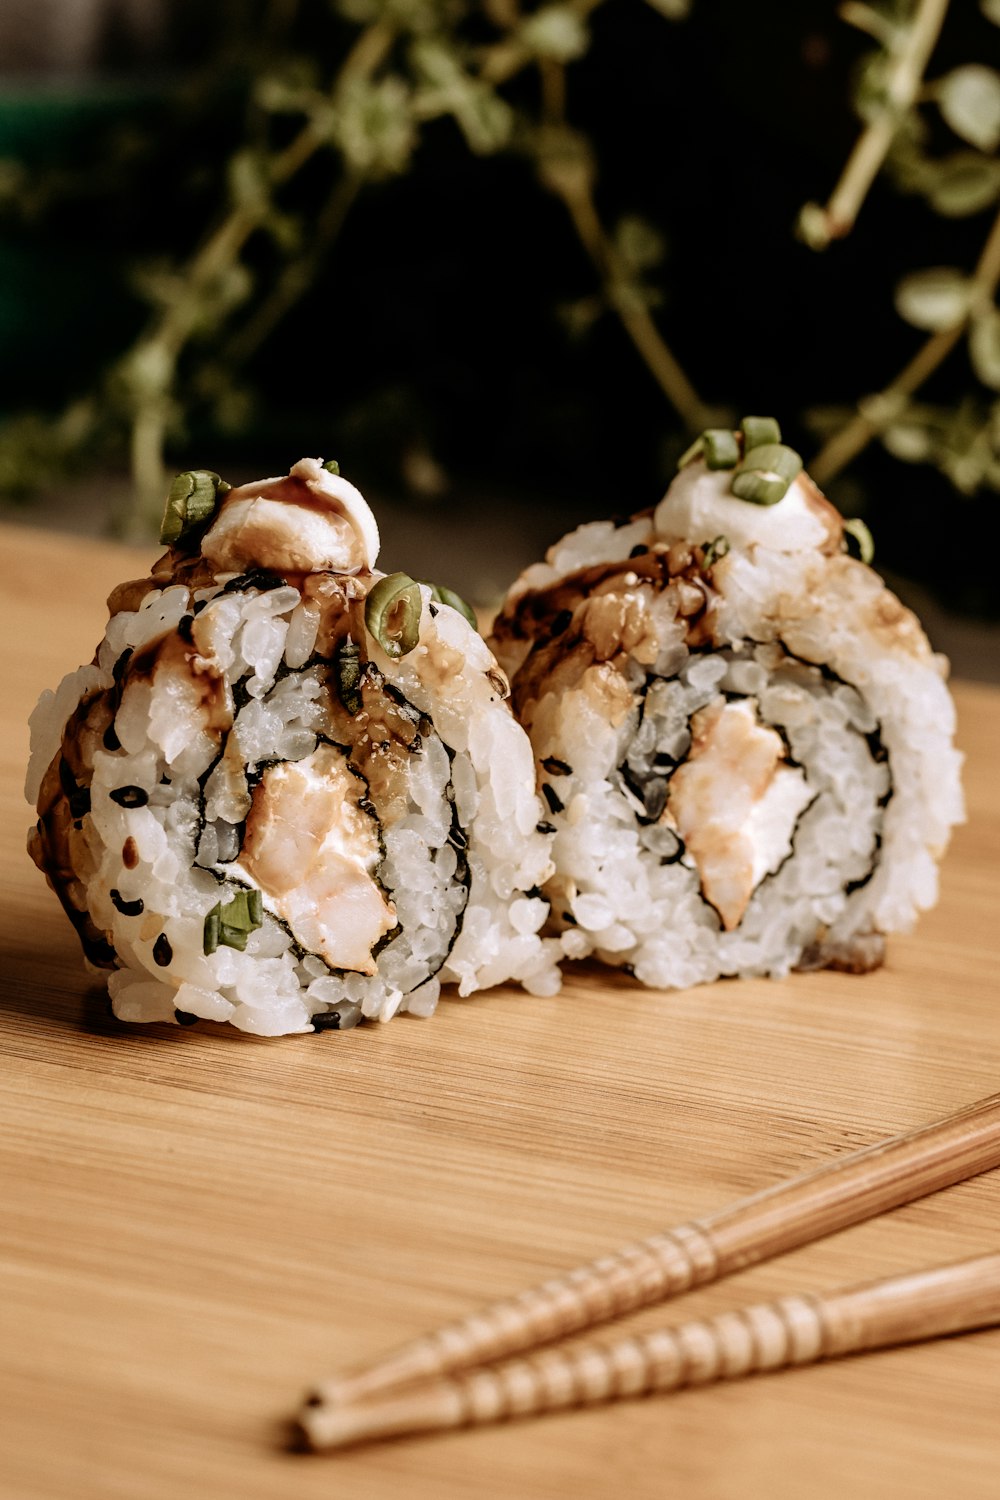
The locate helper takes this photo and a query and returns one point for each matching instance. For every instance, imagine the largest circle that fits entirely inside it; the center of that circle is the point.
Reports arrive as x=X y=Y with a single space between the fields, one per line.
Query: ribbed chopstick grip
x=769 y=1336
x=845 y=1191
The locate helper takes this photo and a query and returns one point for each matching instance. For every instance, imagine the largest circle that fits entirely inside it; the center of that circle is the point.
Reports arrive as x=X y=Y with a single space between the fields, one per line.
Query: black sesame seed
x=184 y=627
x=162 y=951
x=545 y=828
x=120 y=666
x=111 y=740
x=434 y=611
x=129 y=796
x=552 y=798
x=184 y=1018
x=328 y=1021
x=638 y=549
x=556 y=767
x=199 y=605
x=127 y=908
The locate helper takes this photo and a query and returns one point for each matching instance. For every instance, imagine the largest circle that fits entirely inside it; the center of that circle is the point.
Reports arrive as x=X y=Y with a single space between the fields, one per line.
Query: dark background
x=434 y=326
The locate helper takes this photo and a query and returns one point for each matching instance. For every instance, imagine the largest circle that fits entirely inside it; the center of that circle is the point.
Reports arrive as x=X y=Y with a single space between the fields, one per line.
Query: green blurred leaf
x=674 y=10
x=374 y=126
x=908 y=442
x=934 y=299
x=962 y=184
x=969 y=101
x=984 y=347
x=640 y=245
x=556 y=32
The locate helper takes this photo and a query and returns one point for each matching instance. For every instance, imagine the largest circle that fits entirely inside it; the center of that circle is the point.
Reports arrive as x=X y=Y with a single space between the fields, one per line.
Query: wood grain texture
x=196 y=1223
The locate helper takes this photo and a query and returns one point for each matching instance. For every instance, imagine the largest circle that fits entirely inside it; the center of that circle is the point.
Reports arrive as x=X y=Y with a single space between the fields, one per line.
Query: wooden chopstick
x=846 y=1191
x=768 y=1336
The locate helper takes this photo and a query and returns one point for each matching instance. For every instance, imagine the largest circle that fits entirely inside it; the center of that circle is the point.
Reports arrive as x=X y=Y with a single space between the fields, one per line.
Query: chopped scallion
x=442 y=595
x=722 y=451
x=230 y=925
x=714 y=550
x=331 y=466
x=192 y=499
x=859 y=540
x=392 y=613
x=347 y=665
x=759 y=430
x=212 y=925
x=765 y=474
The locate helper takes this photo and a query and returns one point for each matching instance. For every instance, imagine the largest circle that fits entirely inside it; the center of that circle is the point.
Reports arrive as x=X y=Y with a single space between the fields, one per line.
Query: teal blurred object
x=62 y=299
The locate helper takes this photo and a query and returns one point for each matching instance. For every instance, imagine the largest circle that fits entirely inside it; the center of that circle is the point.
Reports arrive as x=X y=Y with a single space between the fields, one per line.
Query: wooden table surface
x=196 y=1223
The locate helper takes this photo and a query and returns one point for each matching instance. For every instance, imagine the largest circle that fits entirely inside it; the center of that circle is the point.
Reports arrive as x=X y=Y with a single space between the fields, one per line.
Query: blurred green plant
x=362 y=114
x=896 y=104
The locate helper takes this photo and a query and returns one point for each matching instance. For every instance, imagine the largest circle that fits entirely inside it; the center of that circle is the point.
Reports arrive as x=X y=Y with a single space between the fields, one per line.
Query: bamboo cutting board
x=196 y=1225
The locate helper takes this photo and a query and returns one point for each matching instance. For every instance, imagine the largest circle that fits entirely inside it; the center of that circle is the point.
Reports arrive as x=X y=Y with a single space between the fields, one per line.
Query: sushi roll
x=288 y=792
x=743 y=739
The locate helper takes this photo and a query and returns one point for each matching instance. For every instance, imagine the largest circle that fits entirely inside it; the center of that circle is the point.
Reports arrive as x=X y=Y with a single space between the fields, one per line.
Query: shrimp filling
x=314 y=853
x=735 y=804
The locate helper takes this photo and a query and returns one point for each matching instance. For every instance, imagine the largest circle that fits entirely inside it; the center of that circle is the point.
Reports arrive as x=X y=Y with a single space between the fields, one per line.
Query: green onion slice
x=442 y=595
x=713 y=551
x=722 y=451
x=765 y=474
x=347 y=665
x=392 y=613
x=232 y=924
x=192 y=499
x=759 y=430
x=331 y=466
x=858 y=540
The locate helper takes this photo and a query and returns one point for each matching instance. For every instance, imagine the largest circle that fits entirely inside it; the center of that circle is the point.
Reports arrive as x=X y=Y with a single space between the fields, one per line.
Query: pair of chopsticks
x=463 y=1374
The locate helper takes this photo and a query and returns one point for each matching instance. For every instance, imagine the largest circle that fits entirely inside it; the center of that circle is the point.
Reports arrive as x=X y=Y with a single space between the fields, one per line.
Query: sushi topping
x=858 y=540
x=765 y=473
x=756 y=431
x=129 y=796
x=347 y=667
x=315 y=853
x=310 y=520
x=442 y=595
x=392 y=613
x=191 y=501
x=767 y=467
x=231 y=924
x=331 y=466
x=127 y=908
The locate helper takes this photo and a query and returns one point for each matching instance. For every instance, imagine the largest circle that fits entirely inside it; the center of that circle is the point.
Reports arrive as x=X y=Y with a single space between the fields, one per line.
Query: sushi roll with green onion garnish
x=743 y=739
x=288 y=793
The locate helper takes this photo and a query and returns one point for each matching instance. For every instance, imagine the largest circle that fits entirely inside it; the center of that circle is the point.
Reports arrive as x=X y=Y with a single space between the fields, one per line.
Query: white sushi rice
x=462 y=858
x=813 y=646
